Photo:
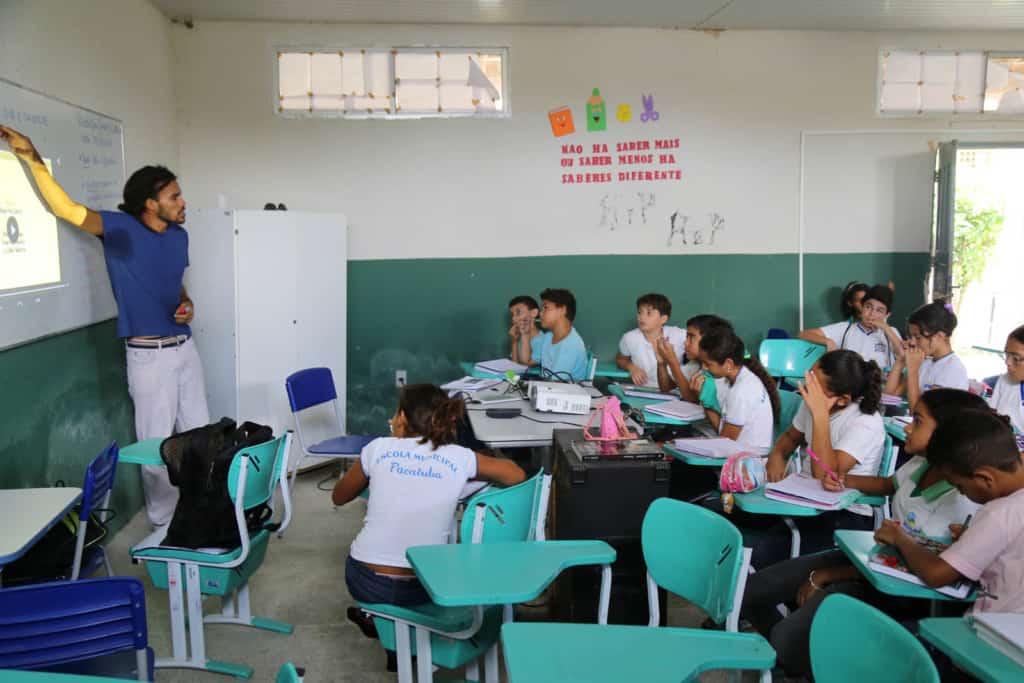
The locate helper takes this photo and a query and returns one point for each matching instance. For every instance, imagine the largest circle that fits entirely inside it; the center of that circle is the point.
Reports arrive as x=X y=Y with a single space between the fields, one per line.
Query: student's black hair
x=430 y=414
x=705 y=322
x=947 y=404
x=938 y=316
x=527 y=301
x=658 y=302
x=561 y=297
x=722 y=343
x=976 y=438
x=1017 y=334
x=144 y=184
x=849 y=373
x=846 y=299
x=880 y=293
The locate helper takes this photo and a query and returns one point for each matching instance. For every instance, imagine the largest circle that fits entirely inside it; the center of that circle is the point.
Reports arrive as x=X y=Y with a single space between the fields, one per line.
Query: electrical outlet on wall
x=399 y=378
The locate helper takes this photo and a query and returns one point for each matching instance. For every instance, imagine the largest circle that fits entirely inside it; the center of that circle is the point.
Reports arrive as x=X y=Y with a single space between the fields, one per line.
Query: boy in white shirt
x=638 y=348
x=1008 y=395
x=523 y=334
x=869 y=334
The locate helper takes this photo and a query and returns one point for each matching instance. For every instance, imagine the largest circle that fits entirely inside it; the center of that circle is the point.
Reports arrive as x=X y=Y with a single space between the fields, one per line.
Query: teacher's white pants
x=169 y=393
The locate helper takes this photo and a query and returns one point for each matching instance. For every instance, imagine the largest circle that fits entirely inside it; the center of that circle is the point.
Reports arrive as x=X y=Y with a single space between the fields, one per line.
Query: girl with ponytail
x=751 y=407
x=928 y=355
x=415 y=478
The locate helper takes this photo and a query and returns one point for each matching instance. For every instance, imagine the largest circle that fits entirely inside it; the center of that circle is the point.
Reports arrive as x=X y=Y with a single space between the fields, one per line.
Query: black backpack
x=198 y=462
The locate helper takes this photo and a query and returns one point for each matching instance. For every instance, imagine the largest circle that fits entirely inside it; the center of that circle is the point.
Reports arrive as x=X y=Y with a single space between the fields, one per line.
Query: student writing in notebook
x=638 y=348
x=1008 y=394
x=922 y=501
x=978 y=453
x=751 y=406
x=523 y=334
x=928 y=355
x=560 y=351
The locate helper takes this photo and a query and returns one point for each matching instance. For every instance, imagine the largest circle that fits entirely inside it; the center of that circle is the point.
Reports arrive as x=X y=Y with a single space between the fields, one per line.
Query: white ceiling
x=852 y=15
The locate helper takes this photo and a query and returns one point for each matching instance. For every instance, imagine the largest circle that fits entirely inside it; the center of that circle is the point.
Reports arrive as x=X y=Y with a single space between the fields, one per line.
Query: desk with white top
x=28 y=514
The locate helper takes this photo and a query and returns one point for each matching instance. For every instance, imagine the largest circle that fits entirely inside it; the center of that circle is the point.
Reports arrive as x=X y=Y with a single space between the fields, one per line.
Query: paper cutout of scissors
x=649 y=113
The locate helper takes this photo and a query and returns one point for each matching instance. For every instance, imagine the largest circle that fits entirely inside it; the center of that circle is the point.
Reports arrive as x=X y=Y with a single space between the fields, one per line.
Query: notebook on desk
x=717 y=447
x=799 y=489
x=499 y=366
x=1002 y=630
x=678 y=409
x=887 y=560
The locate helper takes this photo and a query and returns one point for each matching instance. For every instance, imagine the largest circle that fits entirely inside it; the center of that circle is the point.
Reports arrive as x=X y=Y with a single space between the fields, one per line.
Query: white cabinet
x=269 y=289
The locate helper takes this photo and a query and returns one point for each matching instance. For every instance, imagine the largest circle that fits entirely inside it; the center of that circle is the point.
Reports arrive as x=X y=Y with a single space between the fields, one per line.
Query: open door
x=941 y=283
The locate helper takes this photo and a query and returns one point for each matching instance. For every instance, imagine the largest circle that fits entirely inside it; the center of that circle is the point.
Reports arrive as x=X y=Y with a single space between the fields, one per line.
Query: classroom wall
x=449 y=218
x=66 y=397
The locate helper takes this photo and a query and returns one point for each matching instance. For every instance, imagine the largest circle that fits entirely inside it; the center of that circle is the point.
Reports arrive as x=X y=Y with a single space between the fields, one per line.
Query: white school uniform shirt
x=871 y=346
x=641 y=352
x=928 y=512
x=1008 y=399
x=991 y=552
x=948 y=372
x=748 y=407
x=414 y=489
x=860 y=435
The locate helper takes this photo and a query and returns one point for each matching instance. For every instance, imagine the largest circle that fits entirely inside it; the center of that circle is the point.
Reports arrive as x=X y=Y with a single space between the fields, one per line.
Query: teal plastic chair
x=789 y=403
x=886 y=467
x=689 y=551
x=789 y=358
x=457 y=637
x=853 y=642
x=255 y=473
x=288 y=673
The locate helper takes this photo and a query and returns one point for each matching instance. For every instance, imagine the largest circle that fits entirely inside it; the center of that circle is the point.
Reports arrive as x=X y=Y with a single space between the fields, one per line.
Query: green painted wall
x=426 y=315
x=64 y=399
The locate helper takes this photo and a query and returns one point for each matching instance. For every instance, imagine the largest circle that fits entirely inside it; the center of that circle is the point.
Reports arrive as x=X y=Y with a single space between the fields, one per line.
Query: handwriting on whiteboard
x=692 y=232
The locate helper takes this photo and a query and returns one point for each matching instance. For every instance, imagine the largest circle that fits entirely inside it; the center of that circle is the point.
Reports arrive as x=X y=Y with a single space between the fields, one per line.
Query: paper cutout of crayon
x=597 y=116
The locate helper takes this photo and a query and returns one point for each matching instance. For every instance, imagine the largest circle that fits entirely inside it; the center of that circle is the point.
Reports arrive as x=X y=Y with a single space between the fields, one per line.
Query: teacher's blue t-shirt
x=146 y=269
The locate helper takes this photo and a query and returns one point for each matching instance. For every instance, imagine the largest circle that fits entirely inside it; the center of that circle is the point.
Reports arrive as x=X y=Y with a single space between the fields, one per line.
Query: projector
x=558 y=397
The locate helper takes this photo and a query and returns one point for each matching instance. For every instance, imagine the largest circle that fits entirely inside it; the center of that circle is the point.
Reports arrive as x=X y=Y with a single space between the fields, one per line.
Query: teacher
x=146 y=251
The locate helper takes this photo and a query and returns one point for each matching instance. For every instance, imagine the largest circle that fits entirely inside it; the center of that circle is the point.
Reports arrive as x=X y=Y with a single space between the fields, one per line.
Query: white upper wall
x=738 y=104
x=111 y=56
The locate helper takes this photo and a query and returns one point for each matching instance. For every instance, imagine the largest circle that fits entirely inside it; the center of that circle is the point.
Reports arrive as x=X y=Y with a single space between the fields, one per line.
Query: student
x=1008 y=395
x=839 y=421
x=560 y=351
x=415 y=478
x=922 y=500
x=869 y=334
x=696 y=328
x=851 y=299
x=638 y=348
x=523 y=333
x=752 y=404
x=979 y=454
x=928 y=356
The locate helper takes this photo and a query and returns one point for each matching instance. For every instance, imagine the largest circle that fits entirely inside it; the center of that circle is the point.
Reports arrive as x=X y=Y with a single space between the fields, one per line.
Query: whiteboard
x=85 y=151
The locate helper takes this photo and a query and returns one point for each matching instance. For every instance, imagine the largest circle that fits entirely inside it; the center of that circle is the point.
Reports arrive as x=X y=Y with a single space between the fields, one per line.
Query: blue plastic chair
x=255 y=473
x=99 y=481
x=884 y=650
x=308 y=389
x=91 y=627
x=515 y=513
x=789 y=358
x=690 y=551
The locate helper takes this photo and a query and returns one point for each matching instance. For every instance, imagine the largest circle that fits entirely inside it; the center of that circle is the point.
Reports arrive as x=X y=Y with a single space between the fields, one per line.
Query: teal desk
x=692 y=458
x=757 y=503
x=637 y=402
x=12 y=676
x=145 y=452
x=956 y=639
x=856 y=545
x=469 y=368
x=594 y=653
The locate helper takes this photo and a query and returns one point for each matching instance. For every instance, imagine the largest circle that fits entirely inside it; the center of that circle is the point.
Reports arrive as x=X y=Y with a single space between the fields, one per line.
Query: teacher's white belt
x=159 y=343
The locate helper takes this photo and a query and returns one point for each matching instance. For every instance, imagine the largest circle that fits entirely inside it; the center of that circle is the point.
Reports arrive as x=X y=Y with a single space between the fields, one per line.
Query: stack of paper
x=719 y=447
x=887 y=560
x=678 y=409
x=891 y=400
x=641 y=392
x=1003 y=631
x=468 y=385
x=499 y=366
x=805 y=491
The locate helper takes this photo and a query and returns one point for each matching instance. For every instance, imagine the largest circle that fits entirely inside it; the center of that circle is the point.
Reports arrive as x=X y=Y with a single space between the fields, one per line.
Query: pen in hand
x=832 y=475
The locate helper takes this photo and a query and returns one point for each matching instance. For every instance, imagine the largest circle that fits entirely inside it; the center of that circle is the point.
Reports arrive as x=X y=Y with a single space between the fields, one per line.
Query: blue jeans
x=365 y=585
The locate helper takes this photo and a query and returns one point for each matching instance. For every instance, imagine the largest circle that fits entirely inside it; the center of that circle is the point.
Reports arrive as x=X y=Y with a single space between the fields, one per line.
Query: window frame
x=392 y=50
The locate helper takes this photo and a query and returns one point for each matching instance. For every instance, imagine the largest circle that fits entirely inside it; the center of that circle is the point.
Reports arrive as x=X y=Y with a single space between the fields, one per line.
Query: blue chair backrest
x=510 y=514
x=776 y=333
x=789 y=402
x=99 y=479
x=789 y=357
x=45 y=624
x=310 y=387
x=262 y=474
x=884 y=650
x=694 y=553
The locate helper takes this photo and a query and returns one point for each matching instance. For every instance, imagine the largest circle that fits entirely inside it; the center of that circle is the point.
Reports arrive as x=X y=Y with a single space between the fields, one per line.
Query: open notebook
x=885 y=559
x=799 y=489
x=717 y=447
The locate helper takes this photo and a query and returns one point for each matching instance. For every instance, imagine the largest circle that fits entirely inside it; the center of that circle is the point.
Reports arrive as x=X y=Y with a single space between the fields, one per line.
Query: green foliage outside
x=975 y=233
